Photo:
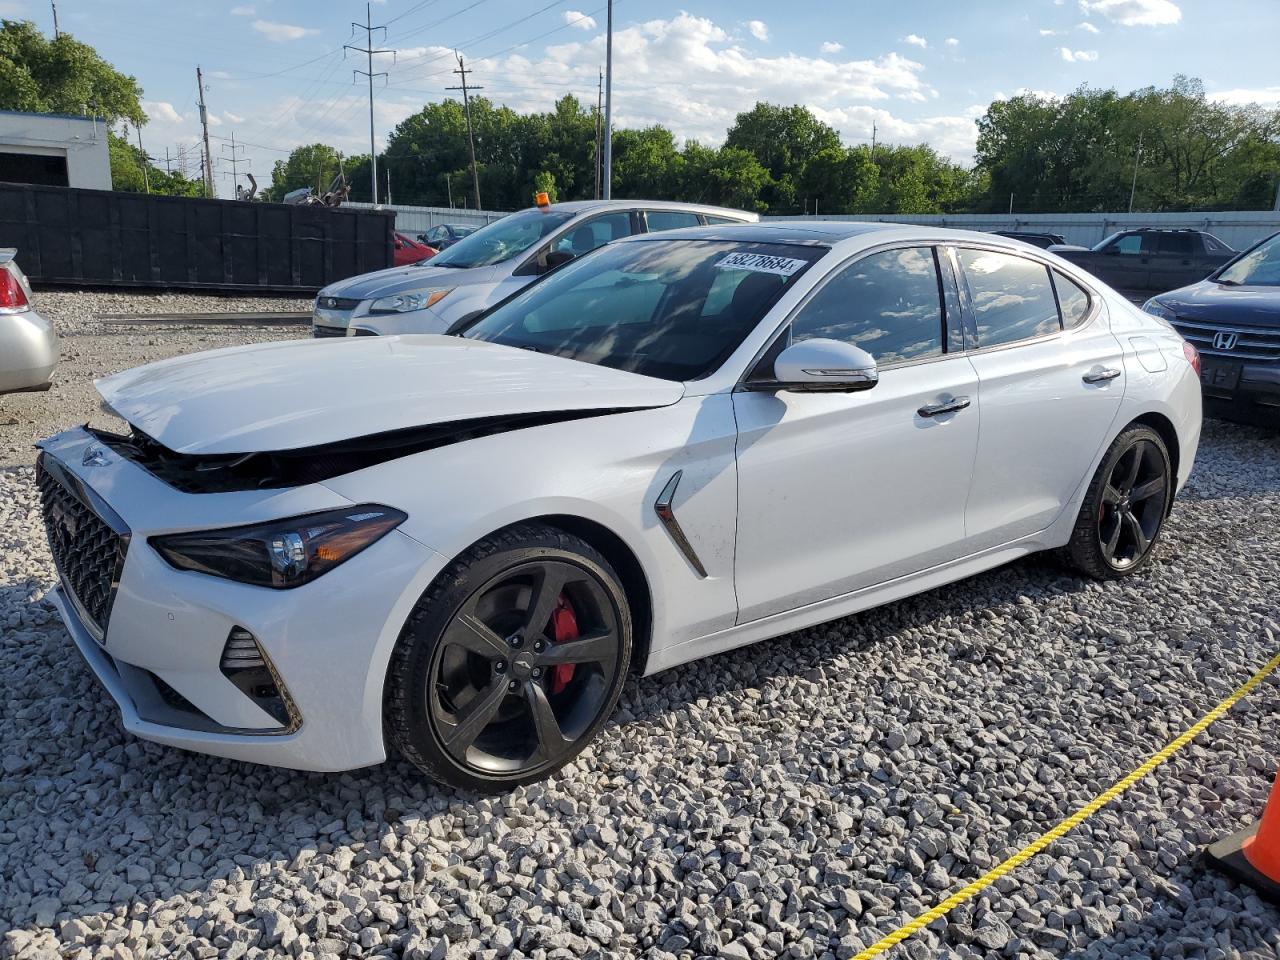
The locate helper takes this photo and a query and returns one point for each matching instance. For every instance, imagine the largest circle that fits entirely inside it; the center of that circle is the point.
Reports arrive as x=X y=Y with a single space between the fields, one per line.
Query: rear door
x=1176 y=262
x=839 y=491
x=1050 y=381
x=1125 y=263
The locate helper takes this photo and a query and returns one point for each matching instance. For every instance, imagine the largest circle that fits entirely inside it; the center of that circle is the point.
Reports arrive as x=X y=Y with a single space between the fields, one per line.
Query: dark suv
x=1233 y=318
x=1152 y=260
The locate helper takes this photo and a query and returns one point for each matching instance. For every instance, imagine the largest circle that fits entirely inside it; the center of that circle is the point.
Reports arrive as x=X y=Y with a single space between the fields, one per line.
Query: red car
x=408 y=250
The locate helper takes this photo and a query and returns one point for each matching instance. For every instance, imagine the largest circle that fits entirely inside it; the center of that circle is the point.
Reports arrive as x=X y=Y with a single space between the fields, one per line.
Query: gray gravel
x=798 y=798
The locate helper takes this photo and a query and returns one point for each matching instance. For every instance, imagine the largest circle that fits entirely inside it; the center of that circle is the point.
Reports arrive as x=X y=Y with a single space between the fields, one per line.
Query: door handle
x=938 y=409
x=1101 y=376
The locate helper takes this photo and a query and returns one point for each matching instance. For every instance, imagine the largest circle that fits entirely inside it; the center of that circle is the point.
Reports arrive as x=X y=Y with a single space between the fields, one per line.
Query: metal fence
x=416 y=220
x=1236 y=229
x=110 y=238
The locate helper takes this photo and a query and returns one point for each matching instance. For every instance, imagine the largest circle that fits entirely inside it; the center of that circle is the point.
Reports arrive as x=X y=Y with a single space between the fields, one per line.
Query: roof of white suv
x=579 y=206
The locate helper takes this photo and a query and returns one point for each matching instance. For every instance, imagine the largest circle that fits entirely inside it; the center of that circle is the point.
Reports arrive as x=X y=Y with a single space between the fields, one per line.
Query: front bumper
x=360 y=323
x=160 y=652
x=1256 y=396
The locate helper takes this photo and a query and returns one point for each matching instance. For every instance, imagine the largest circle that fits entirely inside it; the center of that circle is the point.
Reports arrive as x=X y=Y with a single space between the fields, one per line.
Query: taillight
x=12 y=295
x=1192 y=355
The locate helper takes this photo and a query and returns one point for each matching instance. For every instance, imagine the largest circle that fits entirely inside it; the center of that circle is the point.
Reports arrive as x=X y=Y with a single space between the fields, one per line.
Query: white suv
x=493 y=263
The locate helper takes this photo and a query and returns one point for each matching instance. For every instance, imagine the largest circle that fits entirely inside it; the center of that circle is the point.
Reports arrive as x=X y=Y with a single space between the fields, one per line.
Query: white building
x=54 y=148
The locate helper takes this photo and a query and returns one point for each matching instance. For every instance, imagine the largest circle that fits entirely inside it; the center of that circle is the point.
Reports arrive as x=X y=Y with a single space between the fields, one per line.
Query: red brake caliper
x=564 y=627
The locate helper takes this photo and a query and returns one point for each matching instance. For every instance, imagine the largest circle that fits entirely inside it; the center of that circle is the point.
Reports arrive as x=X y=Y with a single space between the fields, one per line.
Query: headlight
x=284 y=553
x=1158 y=310
x=405 y=302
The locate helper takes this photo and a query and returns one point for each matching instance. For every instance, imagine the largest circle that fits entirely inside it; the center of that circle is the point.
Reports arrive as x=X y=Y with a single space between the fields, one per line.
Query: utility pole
x=1133 y=188
x=873 y=139
x=448 y=186
x=606 y=191
x=167 y=168
x=56 y=33
x=204 y=126
x=387 y=171
x=235 y=161
x=599 y=108
x=146 y=174
x=462 y=71
x=369 y=51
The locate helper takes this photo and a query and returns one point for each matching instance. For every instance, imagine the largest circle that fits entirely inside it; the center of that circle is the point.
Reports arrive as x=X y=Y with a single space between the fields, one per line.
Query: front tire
x=1124 y=508
x=511 y=661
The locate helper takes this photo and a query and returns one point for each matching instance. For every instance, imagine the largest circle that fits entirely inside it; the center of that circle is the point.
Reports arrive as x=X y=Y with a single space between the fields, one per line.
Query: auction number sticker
x=761 y=263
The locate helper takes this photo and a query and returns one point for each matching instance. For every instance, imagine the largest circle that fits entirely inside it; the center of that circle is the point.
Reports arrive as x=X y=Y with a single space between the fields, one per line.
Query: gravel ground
x=797 y=798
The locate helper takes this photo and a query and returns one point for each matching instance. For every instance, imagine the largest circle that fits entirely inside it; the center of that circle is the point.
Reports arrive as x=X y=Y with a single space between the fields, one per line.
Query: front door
x=839 y=491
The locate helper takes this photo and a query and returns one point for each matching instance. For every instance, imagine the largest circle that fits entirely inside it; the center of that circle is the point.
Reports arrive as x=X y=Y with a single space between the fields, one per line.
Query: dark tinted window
x=1012 y=297
x=1073 y=299
x=673 y=309
x=712 y=219
x=1177 y=244
x=886 y=303
x=1131 y=244
x=670 y=220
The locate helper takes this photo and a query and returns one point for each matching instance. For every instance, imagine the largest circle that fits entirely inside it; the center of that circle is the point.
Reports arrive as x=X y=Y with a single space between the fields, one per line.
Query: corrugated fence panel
x=110 y=238
x=416 y=220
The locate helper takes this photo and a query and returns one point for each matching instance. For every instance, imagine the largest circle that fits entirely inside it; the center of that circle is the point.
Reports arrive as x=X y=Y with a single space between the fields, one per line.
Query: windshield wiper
x=1229 y=283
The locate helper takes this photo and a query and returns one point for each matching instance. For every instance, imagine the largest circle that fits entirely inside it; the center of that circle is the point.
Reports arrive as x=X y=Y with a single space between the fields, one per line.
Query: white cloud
x=1267 y=96
x=243 y=11
x=1088 y=27
x=831 y=46
x=1134 y=13
x=1077 y=56
x=952 y=42
x=759 y=29
x=579 y=20
x=282 y=31
x=915 y=40
x=161 y=110
x=232 y=117
x=1045 y=32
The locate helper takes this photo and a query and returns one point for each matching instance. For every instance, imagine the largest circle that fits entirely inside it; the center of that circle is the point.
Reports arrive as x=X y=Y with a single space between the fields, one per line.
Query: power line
x=368 y=50
x=462 y=71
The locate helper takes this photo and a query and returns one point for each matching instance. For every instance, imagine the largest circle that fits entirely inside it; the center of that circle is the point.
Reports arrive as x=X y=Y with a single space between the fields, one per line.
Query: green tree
x=783 y=140
x=39 y=75
x=127 y=172
x=840 y=180
x=729 y=177
x=313 y=165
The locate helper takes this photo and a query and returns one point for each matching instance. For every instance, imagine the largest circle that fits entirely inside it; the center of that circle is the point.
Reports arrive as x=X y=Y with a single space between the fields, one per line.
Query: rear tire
x=1124 y=508
x=511 y=662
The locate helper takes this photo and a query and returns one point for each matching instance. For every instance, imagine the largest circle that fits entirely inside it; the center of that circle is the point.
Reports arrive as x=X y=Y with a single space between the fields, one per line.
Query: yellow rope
x=1088 y=810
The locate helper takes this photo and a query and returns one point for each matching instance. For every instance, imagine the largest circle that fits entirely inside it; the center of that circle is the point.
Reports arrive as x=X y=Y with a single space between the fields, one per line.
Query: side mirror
x=556 y=258
x=824 y=366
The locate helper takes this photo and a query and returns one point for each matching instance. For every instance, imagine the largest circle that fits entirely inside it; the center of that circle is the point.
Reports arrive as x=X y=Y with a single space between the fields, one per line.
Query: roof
x=53 y=116
x=578 y=206
x=816 y=232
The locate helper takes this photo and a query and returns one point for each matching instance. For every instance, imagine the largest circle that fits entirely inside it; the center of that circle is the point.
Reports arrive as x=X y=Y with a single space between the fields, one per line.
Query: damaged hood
x=304 y=393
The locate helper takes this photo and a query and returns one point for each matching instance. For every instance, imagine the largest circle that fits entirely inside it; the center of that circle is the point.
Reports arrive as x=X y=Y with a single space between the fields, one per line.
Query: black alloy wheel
x=1125 y=506
x=511 y=662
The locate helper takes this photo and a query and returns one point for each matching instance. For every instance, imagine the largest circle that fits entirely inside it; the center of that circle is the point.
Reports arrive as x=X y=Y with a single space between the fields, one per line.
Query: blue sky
x=920 y=70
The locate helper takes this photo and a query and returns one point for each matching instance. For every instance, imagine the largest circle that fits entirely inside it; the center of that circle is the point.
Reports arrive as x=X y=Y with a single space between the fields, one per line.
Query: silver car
x=28 y=343
x=494 y=262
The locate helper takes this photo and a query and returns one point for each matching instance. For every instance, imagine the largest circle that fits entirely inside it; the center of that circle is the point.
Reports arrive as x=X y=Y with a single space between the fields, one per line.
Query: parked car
x=1233 y=318
x=28 y=342
x=493 y=263
x=675 y=445
x=1041 y=240
x=1151 y=260
x=444 y=235
x=409 y=251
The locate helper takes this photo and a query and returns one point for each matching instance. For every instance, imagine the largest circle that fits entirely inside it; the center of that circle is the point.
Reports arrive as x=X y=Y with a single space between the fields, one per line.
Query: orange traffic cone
x=1252 y=855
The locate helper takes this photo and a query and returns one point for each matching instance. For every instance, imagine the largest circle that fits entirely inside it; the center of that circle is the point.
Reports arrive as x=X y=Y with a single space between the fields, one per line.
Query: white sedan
x=306 y=553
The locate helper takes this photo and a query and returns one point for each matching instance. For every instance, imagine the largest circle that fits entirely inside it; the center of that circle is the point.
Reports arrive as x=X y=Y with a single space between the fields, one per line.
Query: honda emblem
x=1225 y=340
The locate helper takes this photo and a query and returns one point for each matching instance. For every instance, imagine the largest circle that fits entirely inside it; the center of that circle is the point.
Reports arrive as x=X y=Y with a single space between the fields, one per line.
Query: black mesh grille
x=319 y=331
x=88 y=553
x=337 y=303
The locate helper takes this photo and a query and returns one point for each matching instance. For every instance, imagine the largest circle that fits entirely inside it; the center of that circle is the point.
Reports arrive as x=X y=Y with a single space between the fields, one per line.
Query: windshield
x=1105 y=241
x=673 y=309
x=1259 y=267
x=501 y=240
